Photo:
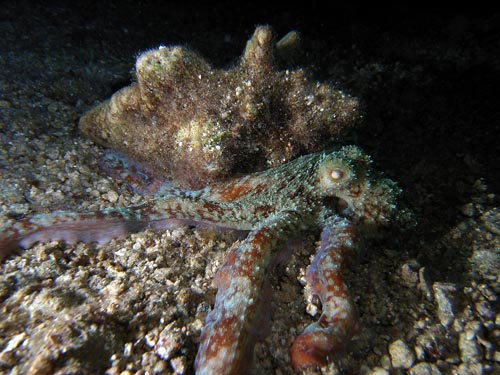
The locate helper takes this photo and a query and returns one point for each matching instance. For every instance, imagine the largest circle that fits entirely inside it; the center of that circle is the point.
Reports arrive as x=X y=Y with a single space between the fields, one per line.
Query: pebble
x=470 y=351
x=408 y=274
x=443 y=295
x=385 y=361
x=483 y=308
x=401 y=355
x=14 y=342
x=312 y=309
x=488 y=348
x=4 y=104
x=171 y=339
x=160 y=367
x=429 y=345
x=487 y=292
x=112 y=196
x=468 y=209
x=128 y=349
x=7 y=359
x=470 y=369
x=424 y=368
x=179 y=365
x=377 y=371
x=424 y=284
x=491 y=220
x=149 y=359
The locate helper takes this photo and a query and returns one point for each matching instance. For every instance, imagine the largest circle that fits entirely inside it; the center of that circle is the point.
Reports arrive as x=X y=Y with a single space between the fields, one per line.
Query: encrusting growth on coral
x=196 y=124
x=336 y=193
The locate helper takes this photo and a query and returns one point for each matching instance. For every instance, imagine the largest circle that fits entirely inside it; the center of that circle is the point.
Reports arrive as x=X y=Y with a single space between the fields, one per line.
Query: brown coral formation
x=196 y=124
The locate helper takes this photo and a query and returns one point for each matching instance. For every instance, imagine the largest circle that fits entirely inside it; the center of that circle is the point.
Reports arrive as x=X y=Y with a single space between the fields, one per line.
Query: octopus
x=336 y=194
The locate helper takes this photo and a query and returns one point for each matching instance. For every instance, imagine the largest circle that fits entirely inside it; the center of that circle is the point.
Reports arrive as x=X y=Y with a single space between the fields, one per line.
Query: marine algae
x=196 y=124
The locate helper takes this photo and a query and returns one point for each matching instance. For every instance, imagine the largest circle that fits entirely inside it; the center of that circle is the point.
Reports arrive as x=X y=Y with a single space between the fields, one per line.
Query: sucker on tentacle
x=337 y=191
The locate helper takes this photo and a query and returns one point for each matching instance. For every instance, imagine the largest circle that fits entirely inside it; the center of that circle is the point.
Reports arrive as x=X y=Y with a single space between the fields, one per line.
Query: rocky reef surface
x=428 y=297
x=196 y=124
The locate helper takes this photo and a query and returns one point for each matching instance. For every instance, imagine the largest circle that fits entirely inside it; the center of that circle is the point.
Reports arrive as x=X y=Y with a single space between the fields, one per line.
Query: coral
x=196 y=124
x=337 y=193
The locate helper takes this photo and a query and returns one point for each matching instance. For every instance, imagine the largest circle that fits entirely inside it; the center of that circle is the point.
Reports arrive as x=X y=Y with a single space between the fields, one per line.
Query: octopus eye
x=337 y=174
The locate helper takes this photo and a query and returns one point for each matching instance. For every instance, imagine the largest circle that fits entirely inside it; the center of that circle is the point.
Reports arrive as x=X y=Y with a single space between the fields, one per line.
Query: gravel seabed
x=428 y=295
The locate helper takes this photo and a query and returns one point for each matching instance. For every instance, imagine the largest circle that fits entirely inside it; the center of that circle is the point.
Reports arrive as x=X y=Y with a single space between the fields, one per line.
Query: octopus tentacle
x=71 y=227
x=229 y=335
x=192 y=208
x=338 y=322
x=180 y=208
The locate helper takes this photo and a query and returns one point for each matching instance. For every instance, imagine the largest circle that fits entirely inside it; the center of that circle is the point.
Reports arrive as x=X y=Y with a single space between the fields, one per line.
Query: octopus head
x=362 y=194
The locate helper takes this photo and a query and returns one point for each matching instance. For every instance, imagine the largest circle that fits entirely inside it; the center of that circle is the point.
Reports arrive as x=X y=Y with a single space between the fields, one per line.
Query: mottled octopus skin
x=324 y=277
x=336 y=191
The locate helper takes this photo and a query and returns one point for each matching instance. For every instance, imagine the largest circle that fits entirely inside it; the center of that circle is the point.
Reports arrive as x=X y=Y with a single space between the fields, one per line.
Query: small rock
x=470 y=369
x=491 y=220
x=112 y=196
x=178 y=365
x=487 y=347
x=470 y=351
x=483 y=308
x=486 y=262
x=14 y=342
x=430 y=345
x=401 y=355
x=424 y=284
x=385 y=362
x=5 y=104
x=53 y=108
x=488 y=293
x=113 y=370
x=468 y=209
x=169 y=342
x=160 y=368
x=443 y=294
x=128 y=349
x=408 y=274
x=149 y=359
x=378 y=371
x=312 y=309
x=424 y=368
x=7 y=359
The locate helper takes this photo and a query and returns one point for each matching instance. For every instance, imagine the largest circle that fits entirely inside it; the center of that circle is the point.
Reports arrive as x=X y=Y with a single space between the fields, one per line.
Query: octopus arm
x=70 y=227
x=197 y=210
x=103 y=226
x=338 y=321
x=228 y=340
